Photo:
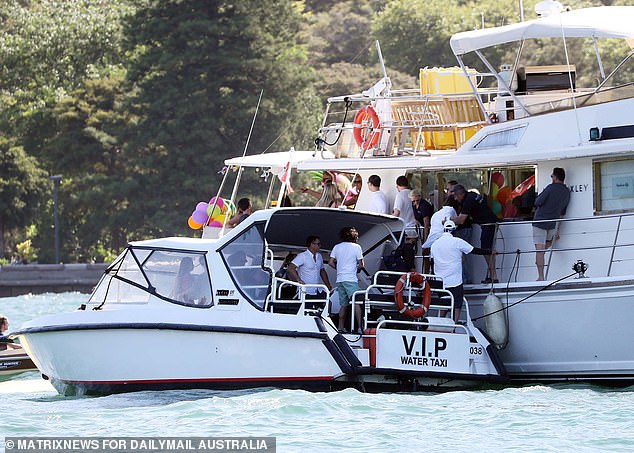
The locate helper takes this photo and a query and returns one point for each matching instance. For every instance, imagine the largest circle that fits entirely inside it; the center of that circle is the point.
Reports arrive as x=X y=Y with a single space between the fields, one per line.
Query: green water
x=575 y=418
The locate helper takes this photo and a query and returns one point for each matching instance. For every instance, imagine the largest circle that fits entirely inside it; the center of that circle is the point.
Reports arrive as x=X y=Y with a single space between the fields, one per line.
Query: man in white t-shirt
x=378 y=200
x=403 y=209
x=307 y=268
x=347 y=258
x=403 y=205
x=447 y=253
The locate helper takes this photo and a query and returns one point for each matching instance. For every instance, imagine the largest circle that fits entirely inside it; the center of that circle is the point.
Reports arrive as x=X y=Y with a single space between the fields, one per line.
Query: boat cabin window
x=180 y=277
x=510 y=191
x=244 y=259
x=614 y=185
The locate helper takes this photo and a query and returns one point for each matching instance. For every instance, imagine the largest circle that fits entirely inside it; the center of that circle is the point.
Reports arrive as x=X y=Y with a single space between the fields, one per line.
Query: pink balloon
x=215 y=223
x=220 y=202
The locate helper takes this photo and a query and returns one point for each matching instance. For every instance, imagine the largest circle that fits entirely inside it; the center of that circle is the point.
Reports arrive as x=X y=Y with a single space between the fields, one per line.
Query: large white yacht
x=501 y=139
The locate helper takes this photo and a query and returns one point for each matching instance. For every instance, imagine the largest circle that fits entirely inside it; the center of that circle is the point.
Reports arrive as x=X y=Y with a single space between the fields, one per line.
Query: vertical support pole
x=56 y=181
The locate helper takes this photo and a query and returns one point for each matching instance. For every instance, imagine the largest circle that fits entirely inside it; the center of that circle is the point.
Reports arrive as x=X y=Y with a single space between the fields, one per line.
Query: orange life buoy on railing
x=398 y=295
x=366 y=139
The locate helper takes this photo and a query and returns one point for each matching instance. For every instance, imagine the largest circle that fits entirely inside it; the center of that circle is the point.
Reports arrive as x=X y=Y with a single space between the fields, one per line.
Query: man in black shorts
x=475 y=206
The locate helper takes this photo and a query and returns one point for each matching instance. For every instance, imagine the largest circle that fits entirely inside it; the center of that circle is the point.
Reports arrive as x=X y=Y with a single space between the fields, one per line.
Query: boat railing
x=377 y=301
x=414 y=123
x=409 y=123
x=604 y=243
x=432 y=324
x=288 y=296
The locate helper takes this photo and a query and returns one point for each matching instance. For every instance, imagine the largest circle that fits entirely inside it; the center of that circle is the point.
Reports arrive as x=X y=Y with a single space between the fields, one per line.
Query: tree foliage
x=22 y=185
x=137 y=103
x=101 y=176
x=200 y=68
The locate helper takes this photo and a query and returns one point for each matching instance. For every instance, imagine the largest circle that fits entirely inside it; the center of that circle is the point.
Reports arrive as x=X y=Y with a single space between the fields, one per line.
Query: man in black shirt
x=475 y=206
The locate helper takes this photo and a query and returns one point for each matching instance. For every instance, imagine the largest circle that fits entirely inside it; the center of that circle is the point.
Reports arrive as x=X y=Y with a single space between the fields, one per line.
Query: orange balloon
x=193 y=224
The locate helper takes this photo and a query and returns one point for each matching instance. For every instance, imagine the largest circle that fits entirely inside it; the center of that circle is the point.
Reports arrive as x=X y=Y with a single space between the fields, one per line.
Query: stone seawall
x=44 y=278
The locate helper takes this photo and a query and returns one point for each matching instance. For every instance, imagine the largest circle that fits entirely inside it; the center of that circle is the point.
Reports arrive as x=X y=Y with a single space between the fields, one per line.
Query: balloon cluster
x=501 y=197
x=215 y=213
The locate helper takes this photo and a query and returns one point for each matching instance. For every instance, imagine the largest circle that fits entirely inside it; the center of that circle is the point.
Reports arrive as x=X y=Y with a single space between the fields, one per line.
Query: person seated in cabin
x=184 y=285
x=6 y=343
x=308 y=268
x=237 y=259
x=245 y=209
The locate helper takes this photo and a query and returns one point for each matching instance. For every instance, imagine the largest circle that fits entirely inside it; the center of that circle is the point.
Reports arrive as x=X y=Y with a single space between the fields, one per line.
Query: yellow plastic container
x=446 y=81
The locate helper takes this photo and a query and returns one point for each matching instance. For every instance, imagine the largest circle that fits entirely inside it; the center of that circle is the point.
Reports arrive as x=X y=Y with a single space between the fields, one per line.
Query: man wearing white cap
x=446 y=252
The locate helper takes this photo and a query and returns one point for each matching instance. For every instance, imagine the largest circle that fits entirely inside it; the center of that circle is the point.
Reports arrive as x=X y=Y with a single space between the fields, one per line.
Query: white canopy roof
x=599 y=22
x=272 y=159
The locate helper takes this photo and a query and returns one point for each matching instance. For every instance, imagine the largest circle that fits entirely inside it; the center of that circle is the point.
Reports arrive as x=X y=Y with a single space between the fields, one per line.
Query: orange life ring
x=398 y=295
x=366 y=134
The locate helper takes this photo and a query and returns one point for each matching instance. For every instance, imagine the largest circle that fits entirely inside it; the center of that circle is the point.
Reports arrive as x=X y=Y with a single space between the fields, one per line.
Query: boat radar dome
x=548 y=8
x=449 y=226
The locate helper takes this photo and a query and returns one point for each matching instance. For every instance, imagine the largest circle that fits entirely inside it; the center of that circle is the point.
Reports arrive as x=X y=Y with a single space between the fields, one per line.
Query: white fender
x=495 y=320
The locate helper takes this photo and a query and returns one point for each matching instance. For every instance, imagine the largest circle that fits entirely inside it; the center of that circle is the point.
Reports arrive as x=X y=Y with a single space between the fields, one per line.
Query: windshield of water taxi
x=244 y=259
x=176 y=276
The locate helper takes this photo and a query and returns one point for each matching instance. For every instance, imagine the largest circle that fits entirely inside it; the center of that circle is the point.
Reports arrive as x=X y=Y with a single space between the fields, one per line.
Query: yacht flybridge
x=497 y=132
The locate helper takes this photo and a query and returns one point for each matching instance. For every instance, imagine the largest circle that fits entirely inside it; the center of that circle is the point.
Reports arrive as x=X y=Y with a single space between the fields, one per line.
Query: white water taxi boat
x=232 y=329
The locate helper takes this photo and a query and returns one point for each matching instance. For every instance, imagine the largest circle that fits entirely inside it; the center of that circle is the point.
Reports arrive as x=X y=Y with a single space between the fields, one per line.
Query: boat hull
x=217 y=358
x=177 y=357
x=577 y=331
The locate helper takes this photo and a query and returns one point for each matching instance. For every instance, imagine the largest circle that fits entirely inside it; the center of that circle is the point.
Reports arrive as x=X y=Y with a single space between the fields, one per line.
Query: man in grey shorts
x=551 y=204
